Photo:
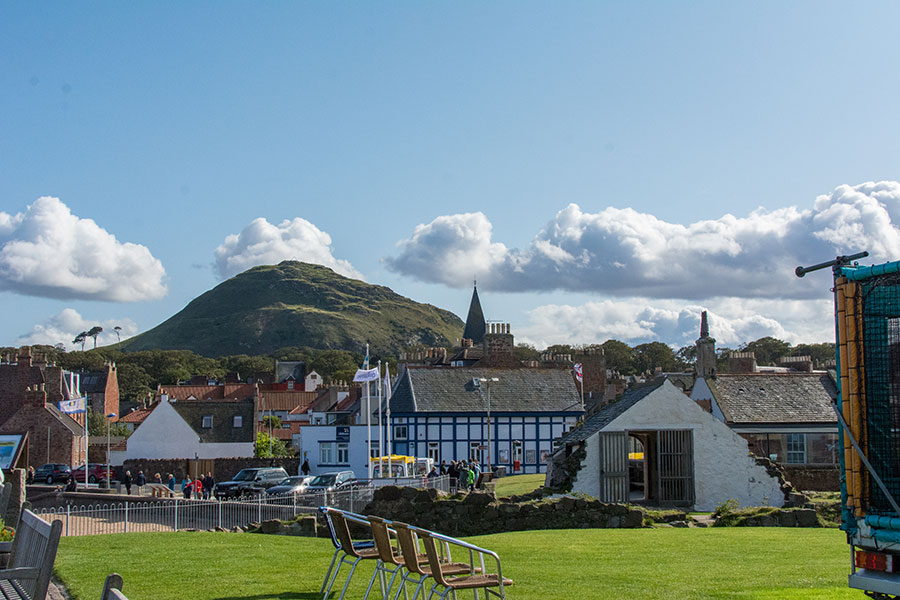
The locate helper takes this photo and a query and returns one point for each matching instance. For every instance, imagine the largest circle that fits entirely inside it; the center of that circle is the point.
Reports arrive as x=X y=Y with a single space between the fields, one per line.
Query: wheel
x=49 y=478
x=92 y=479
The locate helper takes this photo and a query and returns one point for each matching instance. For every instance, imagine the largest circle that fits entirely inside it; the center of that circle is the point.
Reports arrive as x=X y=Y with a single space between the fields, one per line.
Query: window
x=434 y=452
x=400 y=432
x=291 y=384
x=343 y=454
x=238 y=421
x=207 y=422
x=474 y=450
x=530 y=457
x=796 y=448
x=373 y=450
x=326 y=453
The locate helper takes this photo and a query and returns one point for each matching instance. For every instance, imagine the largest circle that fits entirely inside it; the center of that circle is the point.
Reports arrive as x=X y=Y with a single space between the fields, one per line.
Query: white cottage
x=657 y=446
x=195 y=429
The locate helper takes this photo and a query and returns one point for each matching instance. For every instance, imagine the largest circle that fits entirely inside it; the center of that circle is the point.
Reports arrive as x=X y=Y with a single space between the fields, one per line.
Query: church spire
x=475 y=326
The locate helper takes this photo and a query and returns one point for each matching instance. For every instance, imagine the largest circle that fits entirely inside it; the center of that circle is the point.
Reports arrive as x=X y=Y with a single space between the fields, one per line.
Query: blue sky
x=603 y=169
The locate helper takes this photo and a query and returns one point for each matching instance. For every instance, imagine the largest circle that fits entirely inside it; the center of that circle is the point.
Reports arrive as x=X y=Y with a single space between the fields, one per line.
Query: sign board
x=9 y=448
x=342 y=434
x=482 y=447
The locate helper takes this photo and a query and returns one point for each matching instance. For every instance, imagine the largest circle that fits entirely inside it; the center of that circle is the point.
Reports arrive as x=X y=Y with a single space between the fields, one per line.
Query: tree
x=525 y=352
x=272 y=422
x=647 y=357
x=767 y=350
x=818 y=352
x=686 y=356
x=80 y=338
x=117 y=329
x=270 y=447
x=94 y=332
x=134 y=382
x=97 y=425
x=619 y=356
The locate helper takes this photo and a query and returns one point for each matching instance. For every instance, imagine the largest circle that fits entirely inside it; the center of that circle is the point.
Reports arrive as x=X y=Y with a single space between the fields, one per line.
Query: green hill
x=299 y=304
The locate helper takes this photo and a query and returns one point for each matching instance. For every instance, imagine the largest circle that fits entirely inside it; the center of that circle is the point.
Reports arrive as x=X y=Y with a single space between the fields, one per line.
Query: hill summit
x=299 y=304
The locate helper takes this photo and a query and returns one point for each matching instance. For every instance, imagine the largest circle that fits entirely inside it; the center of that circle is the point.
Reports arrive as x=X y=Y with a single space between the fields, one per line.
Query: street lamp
x=108 y=480
x=487 y=381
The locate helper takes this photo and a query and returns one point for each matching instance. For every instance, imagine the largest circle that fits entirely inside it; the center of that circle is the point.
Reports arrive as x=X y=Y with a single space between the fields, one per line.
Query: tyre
x=49 y=478
x=92 y=479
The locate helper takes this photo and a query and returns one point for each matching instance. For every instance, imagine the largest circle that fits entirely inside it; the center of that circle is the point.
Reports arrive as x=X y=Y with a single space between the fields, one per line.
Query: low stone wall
x=481 y=513
x=813 y=479
x=223 y=469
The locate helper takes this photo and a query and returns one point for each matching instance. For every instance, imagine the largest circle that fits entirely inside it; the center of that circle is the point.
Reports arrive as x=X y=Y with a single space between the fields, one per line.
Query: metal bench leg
x=330 y=567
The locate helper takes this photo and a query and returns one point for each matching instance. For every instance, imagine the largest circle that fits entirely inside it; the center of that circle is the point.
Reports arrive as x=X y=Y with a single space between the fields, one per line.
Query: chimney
x=498 y=346
x=742 y=362
x=797 y=363
x=706 y=350
x=35 y=395
x=24 y=356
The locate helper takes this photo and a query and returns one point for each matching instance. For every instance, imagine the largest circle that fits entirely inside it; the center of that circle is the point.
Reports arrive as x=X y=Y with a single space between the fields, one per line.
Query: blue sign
x=342 y=434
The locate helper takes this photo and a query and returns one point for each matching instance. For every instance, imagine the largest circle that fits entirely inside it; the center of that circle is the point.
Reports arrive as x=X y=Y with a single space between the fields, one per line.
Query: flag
x=69 y=407
x=364 y=375
x=387 y=383
x=578 y=374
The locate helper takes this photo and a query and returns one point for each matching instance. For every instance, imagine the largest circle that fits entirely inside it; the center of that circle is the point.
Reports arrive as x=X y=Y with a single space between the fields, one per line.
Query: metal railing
x=181 y=514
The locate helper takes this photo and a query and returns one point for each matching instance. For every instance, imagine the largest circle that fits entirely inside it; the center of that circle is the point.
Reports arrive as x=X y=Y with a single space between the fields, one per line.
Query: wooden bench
x=482 y=479
x=31 y=560
x=158 y=490
x=112 y=589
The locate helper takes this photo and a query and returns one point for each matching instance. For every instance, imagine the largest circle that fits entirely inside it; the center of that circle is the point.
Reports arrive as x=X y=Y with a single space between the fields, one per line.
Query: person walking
x=157 y=478
x=141 y=481
x=209 y=485
x=443 y=467
x=126 y=480
x=171 y=482
x=198 y=489
x=186 y=487
x=471 y=478
x=304 y=468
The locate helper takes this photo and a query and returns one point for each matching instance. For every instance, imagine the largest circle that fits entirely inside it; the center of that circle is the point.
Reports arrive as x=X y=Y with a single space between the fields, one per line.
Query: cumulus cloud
x=49 y=252
x=636 y=320
x=63 y=327
x=622 y=252
x=262 y=243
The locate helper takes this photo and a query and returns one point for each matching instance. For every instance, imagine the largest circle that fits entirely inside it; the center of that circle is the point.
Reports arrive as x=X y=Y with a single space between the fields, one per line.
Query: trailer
x=867 y=354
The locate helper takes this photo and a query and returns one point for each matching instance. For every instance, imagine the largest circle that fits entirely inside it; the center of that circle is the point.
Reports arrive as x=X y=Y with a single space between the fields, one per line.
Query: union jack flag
x=578 y=374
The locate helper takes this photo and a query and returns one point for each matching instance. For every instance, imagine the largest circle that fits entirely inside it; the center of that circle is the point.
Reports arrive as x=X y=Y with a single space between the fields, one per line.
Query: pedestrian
x=71 y=486
x=157 y=478
x=171 y=482
x=29 y=479
x=209 y=485
x=304 y=468
x=443 y=467
x=453 y=472
x=126 y=480
x=432 y=473
x=141 y=481
x=186 y=487
x=198 y=489
x=471 y=476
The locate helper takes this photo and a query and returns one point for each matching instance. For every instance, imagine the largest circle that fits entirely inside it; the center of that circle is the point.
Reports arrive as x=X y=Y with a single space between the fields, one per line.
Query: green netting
x=881 y=346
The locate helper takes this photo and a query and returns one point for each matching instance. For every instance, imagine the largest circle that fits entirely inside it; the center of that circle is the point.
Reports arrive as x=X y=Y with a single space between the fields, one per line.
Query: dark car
x=95 y=473
x=250 y=481
x=291 y=485
x=52 y=472
x=331 y=481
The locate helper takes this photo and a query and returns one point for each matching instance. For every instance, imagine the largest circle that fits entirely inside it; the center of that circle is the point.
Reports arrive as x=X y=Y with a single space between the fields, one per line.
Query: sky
x=601 y=169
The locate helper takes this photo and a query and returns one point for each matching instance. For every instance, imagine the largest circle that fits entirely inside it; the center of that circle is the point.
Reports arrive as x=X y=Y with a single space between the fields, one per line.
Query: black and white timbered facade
x=442 y=413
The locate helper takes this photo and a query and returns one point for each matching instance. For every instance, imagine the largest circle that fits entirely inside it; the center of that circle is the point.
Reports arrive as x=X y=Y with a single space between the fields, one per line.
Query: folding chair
x=417 y=569
x=352 y=555
x=337 y=548
x=473 y=581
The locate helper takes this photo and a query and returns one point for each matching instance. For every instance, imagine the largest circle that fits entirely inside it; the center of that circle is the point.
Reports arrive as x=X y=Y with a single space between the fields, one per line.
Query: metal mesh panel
x=881 y=352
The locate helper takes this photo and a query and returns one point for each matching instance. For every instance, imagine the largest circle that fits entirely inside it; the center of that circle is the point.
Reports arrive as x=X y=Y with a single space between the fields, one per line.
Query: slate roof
x=92 y=382
x=475 y=324
x=771 y=398
x=229 y=392
x=70 y=423
x=450 y=390
x=610 y=412
x=223 y=413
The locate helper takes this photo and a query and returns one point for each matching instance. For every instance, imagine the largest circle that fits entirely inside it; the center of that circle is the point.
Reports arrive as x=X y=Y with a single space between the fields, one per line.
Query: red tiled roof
x=286 y=400
x=138 y=415
x=230 y=392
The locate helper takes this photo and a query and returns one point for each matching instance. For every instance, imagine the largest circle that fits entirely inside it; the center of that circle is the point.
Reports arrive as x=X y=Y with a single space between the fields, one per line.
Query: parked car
x=52 y=472
x=330 y=482
x=250 y=481
x=291 y=485
x=96 y=473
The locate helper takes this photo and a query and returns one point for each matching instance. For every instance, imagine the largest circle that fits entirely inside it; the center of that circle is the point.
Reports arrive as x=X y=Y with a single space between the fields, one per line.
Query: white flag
x=363 y=375
x=74 y=406
x=387 y=383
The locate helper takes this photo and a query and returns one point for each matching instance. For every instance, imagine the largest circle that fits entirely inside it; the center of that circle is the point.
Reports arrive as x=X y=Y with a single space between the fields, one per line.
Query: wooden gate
x=199 y=468
x=613 y=466
x=675 y=466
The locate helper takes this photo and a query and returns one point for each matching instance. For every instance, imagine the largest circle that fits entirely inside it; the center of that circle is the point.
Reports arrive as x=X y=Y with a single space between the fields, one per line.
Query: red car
x=95 y=473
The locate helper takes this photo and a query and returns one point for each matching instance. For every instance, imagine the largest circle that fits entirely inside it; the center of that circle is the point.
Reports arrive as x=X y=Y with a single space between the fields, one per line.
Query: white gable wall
x=723 y=467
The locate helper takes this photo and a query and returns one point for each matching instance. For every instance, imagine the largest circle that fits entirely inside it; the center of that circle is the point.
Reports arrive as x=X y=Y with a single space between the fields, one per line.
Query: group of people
x=139 y=480
x=200 y=488
x=463 y=474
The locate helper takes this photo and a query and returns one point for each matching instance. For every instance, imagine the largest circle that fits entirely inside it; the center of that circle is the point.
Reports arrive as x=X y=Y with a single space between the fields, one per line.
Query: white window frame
x=238 y=421
x=475 y=451
x=794 y=448
x=434 y=451
x=326 y=453
x=207 y=424
x=342 y=453
x=401 y=436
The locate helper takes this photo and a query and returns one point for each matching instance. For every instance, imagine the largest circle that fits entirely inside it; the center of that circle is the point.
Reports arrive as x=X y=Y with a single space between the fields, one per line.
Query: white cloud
x=732 y=322
x=262 y=243
x=621 y=252
x=49 y=252
x=63 y=327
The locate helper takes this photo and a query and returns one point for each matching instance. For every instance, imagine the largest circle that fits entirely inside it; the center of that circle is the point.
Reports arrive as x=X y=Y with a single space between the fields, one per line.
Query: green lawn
x=517 y=484
x=664 y=564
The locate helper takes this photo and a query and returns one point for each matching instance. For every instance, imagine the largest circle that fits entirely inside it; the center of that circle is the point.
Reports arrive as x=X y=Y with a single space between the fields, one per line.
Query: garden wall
x=813 y=479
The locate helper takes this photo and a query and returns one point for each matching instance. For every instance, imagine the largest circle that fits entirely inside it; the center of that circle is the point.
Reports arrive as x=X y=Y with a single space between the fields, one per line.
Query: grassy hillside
x=299 y=304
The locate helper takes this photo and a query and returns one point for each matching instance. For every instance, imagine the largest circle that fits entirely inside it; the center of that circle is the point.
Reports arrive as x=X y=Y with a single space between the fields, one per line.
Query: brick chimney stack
x=498 y=346
x=36 y=395
x=706 y=350
x=742 y=362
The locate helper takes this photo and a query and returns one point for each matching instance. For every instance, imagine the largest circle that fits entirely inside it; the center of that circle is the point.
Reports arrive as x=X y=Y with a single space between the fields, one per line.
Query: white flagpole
x=387 y=400
x=368 y=421
x=380 y=422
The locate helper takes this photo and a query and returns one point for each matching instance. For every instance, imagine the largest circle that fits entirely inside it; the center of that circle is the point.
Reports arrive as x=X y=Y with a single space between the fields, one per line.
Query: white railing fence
x=180 y=514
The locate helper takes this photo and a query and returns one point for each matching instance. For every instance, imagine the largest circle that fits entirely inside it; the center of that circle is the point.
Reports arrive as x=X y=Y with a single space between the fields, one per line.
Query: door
x=613 y=466
x=675 y=466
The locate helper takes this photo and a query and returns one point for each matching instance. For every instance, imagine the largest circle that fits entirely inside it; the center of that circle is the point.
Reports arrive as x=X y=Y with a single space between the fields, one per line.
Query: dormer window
x=238 y=421
x=207 y=422
x=290 y=384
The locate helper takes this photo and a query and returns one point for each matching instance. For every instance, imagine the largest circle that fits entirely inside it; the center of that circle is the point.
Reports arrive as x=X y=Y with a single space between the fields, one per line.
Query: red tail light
x=875 y=561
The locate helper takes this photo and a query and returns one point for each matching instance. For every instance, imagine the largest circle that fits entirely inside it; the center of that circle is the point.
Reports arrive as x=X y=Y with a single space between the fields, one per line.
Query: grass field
x=517 y=484
x=682 y=564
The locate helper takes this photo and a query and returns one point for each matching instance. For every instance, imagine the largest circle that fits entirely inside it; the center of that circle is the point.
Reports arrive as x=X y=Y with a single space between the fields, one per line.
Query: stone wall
x=813 y=479
x=223 y=468
x=481 y=513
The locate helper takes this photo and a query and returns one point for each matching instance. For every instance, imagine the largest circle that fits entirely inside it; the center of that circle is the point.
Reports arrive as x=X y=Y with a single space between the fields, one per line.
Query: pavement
x=55 y=592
